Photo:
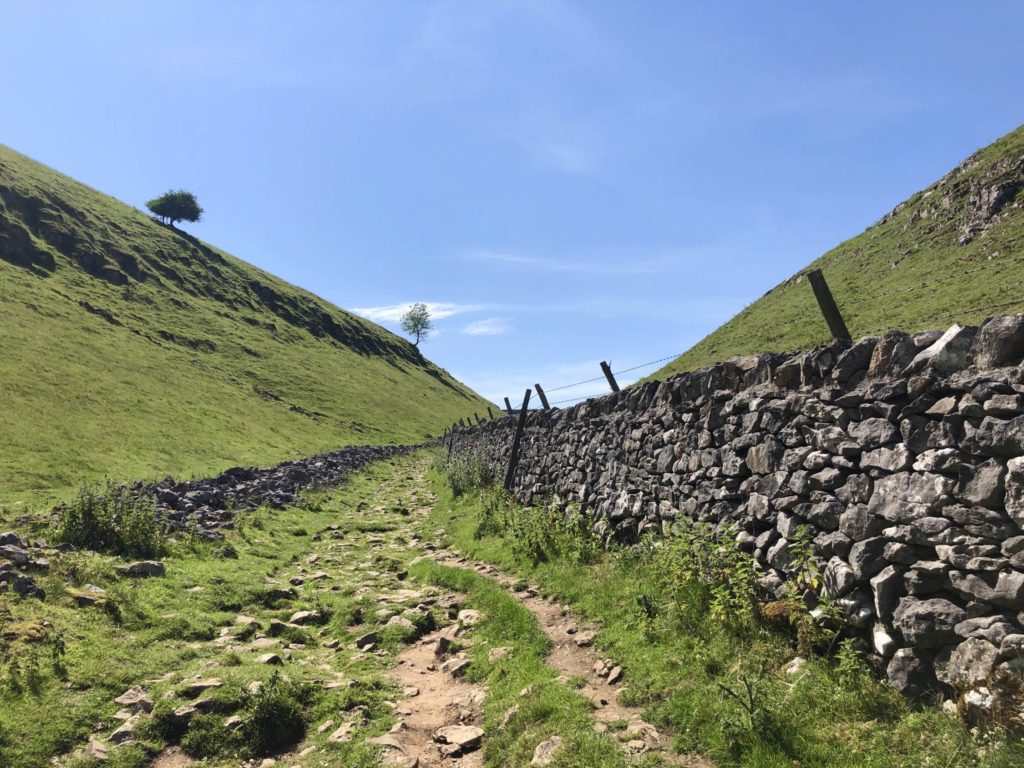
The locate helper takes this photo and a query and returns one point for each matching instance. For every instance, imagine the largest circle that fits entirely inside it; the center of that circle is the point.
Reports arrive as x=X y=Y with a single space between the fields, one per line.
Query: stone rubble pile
x=902 y=455
x=211 y=504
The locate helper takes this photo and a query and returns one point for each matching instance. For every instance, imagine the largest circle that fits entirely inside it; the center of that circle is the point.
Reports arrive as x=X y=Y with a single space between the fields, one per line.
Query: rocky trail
x=440 y=698
x=341 y=614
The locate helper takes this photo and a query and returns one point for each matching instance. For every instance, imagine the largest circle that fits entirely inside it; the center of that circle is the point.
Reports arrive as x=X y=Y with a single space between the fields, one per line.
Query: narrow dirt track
x=434 y=699
x=573 y=656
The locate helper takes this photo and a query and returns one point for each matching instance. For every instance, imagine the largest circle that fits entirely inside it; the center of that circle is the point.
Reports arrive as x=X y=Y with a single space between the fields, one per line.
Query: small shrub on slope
x=118 y=520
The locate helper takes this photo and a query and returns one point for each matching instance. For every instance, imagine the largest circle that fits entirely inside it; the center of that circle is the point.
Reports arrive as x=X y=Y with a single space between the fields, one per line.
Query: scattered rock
x=135 y=699
x=193 y=688
x=546 y=751
x=455 y=667
x=142 y=569
x=458 y=739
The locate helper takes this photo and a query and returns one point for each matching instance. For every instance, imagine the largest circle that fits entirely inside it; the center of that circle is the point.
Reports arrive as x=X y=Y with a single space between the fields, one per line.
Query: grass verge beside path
x=549 y=708
x=714 y=680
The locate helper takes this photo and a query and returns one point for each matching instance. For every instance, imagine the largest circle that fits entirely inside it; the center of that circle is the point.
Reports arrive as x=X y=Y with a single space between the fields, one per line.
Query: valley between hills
x=237 y=529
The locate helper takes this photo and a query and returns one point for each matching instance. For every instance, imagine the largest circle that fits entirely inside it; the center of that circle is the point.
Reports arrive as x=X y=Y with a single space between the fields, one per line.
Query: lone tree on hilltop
x=416 y=322
x=174 y=206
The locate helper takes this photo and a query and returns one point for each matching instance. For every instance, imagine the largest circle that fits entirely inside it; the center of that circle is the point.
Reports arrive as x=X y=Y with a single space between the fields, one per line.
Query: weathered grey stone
x=906 y=496
x=854 y=360
x=949 y=353
x=778 y=555
x=787 y=525
x=665 y=458
x=873 y=433
x=929 y=527
x=1004 y=406
x=1012 y=646
x=990 y=628
x=824 y=514
x=15 y=554
x=886 y=587
x=927 y=623
x=909 y=673
x=866 y=557
x=922 y=434
x=891 y=354
x=856 y=609
x=832 y=544
x=1014 y=488
x=997 y=437
x=827 y=479
x=10 y=538
x=968 y=665
x=857 y=523
x=984 y=484
x=1000 y=342
x=941 y=460
x=892 y=459
x=902 y=482
x=856 y=490
x=981 y=521
x=883 y=641
x=1012 y=546
x=764 y=457
x=838 y=578
x=926 y=578
x=1005 y=589
x=833 y=440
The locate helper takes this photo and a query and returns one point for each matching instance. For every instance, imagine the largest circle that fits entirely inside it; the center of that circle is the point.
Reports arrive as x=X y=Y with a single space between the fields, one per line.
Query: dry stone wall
x=902 y=454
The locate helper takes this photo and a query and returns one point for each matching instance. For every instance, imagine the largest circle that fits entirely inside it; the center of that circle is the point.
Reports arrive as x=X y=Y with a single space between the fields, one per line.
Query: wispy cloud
x=624 y=266
x=491 y=326
x=392 y=313
x=567 y=157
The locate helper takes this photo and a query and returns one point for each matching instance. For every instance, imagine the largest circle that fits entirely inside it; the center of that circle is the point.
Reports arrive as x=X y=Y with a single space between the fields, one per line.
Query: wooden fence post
x=508 y=407
x=451 y=442
x=477 y=417
x=828 y=307
x=490 y=413
x=607 y=370
x=513 y=459
x=542 y=396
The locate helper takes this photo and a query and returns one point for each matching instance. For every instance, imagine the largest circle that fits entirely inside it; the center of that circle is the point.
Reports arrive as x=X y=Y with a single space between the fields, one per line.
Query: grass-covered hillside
x=953 y=252
x=132 y=350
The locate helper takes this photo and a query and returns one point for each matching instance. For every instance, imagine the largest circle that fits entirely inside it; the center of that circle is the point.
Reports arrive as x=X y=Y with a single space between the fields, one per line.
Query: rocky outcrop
x=899 y=456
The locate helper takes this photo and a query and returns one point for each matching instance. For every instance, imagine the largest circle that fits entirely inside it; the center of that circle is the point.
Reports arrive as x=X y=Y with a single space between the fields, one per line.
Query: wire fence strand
x=601 y=378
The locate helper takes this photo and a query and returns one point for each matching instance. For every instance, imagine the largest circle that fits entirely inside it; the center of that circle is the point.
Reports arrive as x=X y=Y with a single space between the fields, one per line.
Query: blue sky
x=564 y=182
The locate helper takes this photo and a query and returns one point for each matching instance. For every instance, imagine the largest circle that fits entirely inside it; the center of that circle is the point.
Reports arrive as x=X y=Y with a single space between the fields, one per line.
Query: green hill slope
x=952 y=252
x=128 y=349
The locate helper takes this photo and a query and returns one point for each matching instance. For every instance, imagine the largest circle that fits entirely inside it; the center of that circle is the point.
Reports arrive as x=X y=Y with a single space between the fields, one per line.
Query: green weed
x=117 y=520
